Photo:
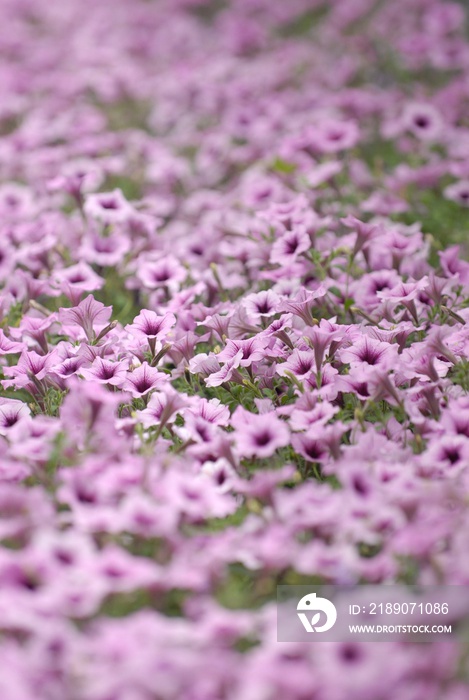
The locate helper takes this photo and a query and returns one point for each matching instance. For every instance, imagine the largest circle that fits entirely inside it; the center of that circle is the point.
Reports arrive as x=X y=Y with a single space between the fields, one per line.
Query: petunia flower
x=310 y=446
x=148 y=325
x=444 y=456
x=249 y=351
x=90 y=315
x=321 y=338
x=67 y=368
x=88 y=415
x=227 y=372
x=458 y=192
x=366 y=289
x=332 y=136
x=196 y=429
x=166 y=271
x=31 y=369
x=365 y=232
x=453 y=265
x=423 y=120
x=143 y=379
x=301 y=363
x=11 y=412
x=290 y=245
x=108 y=207
x=303 y=303
x=9 y=347
x=77 y=279
x=106 y=372
x=368 y=352
x=204 y=364
x=36 y=328
x=76 y=177
x=211 y=410
x=258 y=435
x=261 y=304
x=106 y=251
x=162 y=407
x=405 y=293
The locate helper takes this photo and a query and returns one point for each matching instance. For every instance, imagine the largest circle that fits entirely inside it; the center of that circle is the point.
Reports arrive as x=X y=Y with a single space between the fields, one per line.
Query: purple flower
x=162 y=272
x=322 y=337
x=211 y=410
x=458 y=192
x=162 y=408
x=91 y=315
x=446 y=455
x=9 y=347
x=368 y=352
x=405 y=293
x=106 y=372
x=290 y=245
x=144 y=379
x=258 y=435
x=11 y=411
x=77 y=279
x=107 y=251
x=261 y=304
x=301 y=363
x=31 y=369
x=423 y=120
x=108 y=207
x=332 y=136
x=303 y=303
x=248 y=351
x=229 y=371
x=148 y=325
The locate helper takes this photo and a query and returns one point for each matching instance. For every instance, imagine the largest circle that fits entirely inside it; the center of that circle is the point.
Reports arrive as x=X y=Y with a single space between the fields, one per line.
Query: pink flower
x=367 y=287
x=11 y=412
x=258 y=435
x=88 y=416
x=108 y=207
x=144 y=379
x=262 y=304
x=300 y=363
x=91 y=315
x=423 y=120
x=73 y=281
x=31 y=369
x=9 y=347
x=310 y=446
x=204 y=364
x=321 y=338
x=148 y=325
x=162 y=408
x=107 y=251
x=367 y=352
x=446 y=455
x=211 y=410
x=458 y=192
x=405 y=293
x=303 y=303
x=290 y=245
x=249 y=351
x=77 y=176
x=106 y=372
x=163 y=272
x=229 y=371
x=365 y=232
x=332 y=136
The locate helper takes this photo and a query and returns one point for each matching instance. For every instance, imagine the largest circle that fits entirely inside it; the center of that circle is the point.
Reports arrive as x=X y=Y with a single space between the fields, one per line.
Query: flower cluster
x=233 y=343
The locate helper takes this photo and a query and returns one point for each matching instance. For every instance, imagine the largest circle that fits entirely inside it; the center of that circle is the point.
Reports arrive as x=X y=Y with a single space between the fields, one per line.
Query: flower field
x=233 y=346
